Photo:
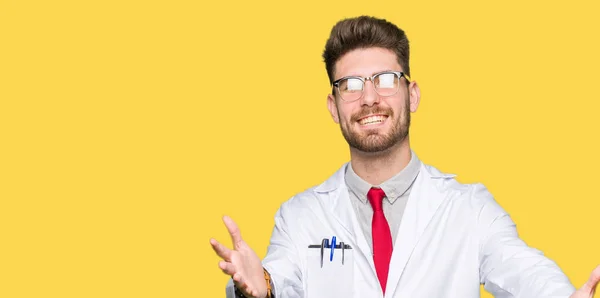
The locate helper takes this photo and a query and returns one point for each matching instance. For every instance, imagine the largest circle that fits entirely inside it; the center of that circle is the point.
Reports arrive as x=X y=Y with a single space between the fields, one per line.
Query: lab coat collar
x=334 y=181
x=425 y=198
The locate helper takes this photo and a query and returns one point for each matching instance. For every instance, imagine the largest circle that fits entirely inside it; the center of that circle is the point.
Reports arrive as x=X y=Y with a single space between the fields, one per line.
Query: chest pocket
x=329 y=275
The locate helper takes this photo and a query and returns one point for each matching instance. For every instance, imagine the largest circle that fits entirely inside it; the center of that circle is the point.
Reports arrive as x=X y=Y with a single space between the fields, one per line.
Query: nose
x=370 y=96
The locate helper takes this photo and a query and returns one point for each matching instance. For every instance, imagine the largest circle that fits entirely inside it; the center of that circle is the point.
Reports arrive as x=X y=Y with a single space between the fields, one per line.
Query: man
x=407 y=229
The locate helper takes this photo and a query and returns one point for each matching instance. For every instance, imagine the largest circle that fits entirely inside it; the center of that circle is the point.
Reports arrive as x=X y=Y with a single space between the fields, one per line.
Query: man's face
x=373 y=123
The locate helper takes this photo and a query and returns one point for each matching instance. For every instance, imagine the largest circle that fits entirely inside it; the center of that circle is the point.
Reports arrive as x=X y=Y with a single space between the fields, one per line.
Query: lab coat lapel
x=423 y=201
x=335 y=194
x=336 y=200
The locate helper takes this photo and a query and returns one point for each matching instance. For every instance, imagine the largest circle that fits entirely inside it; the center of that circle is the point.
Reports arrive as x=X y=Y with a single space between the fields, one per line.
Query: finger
x=237 y=278
x=234 y=231
x=248 y=289
x=590 y=285
x=227 y=268
x=253 y=293
x=221 y=250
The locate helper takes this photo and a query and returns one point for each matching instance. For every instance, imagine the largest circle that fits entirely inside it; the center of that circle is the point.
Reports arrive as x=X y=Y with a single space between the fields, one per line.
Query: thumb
x=590 y=285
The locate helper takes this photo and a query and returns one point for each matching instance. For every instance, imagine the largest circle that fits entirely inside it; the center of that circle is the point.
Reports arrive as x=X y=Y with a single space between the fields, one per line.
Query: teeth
x=372 y=120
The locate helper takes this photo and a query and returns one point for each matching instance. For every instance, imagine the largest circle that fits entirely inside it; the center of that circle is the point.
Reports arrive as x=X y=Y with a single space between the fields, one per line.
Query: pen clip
x=343 y=247
x=332 y=249
x=324 y=243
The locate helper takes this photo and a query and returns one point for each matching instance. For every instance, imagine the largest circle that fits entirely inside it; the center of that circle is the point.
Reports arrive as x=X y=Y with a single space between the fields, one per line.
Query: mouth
x=372 y=120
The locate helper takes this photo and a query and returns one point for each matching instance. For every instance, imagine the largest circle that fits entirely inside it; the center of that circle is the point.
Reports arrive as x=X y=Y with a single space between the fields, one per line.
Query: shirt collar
x=394 y=187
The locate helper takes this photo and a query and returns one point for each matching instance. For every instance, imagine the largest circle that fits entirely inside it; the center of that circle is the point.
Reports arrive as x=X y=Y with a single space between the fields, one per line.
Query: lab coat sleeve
x=283 y=260
x=230 y=290
x=508 y=266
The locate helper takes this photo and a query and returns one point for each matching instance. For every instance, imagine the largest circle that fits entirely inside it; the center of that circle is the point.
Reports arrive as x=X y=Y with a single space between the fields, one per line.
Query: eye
x=386 y=80
x=353 y=85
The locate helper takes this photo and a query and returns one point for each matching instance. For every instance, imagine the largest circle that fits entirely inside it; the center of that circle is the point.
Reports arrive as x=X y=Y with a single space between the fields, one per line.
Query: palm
x=248 y=264
x=241 y=263
x=589 y=288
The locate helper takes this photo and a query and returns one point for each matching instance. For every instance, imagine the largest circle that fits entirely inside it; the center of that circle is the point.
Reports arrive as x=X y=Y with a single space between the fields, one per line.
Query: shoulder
x=472 y=197
x=299 y=201
x=317 y=198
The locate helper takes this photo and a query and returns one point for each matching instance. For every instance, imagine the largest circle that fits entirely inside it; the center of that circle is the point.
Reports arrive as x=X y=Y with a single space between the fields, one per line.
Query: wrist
x=269 y=287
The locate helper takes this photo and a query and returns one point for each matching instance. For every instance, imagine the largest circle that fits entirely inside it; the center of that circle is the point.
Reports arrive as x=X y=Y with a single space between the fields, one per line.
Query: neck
x=377 y=167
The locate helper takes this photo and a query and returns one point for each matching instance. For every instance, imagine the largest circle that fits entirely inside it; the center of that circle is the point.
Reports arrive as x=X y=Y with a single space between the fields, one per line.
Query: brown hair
x=365 y=32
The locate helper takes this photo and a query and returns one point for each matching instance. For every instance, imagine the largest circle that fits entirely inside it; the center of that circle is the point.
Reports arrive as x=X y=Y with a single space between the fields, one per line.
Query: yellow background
x=128 y=128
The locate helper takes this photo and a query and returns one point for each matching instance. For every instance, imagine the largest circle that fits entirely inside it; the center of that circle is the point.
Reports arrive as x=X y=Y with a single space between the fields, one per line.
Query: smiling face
x=373 y=123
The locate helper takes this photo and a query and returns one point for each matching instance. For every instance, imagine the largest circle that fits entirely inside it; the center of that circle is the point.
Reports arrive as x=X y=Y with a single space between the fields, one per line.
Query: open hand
x=241 y=263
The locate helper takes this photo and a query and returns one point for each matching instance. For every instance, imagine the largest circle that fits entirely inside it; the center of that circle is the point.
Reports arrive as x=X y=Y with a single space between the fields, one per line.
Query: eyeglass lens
x=386 y=84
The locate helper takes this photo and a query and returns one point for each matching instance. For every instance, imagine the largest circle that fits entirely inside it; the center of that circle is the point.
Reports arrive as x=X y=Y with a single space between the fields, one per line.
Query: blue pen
x=332 y=248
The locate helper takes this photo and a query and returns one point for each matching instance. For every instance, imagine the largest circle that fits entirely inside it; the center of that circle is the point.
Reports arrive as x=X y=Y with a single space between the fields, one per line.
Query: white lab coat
x=452 y=238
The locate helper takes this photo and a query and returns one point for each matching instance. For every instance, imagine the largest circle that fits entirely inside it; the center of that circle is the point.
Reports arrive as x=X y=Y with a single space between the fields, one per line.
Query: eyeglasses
x=386 y=83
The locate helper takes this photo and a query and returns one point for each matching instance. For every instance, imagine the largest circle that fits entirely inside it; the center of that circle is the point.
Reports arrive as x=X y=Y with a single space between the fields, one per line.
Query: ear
x=415 y=96
x=333 y=108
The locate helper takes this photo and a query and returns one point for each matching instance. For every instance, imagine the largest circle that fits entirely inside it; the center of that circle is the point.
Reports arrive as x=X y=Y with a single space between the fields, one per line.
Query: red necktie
x=382 y=237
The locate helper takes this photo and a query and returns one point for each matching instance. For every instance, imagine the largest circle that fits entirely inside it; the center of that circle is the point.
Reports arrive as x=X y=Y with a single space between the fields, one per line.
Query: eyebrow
x=372 y=74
